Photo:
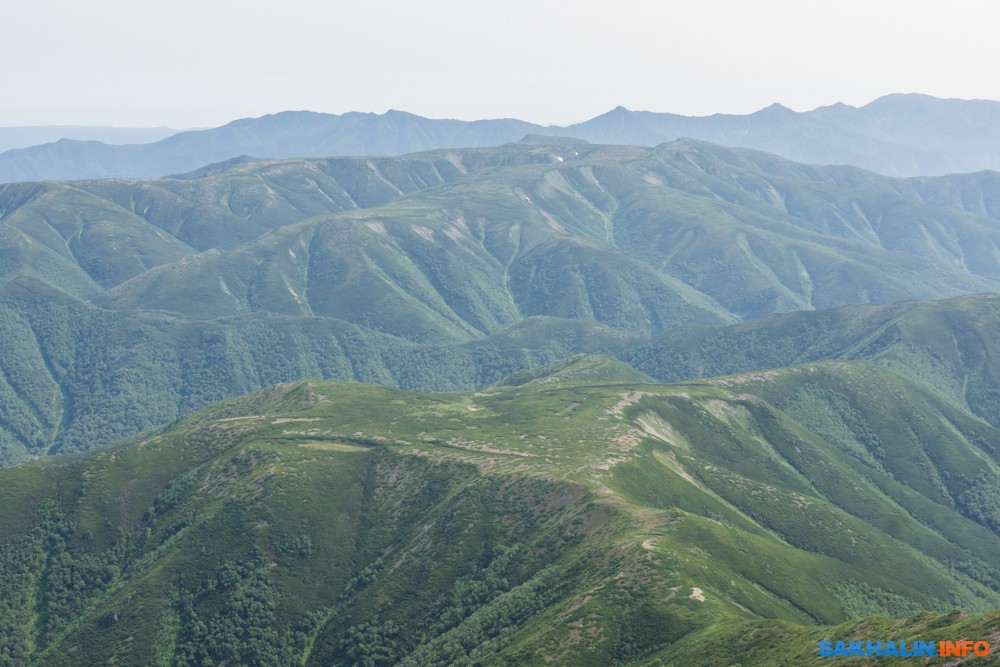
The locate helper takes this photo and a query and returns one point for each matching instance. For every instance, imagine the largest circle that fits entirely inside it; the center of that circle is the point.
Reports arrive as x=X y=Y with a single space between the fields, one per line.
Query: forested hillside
x=577 y=514
x=128 y=303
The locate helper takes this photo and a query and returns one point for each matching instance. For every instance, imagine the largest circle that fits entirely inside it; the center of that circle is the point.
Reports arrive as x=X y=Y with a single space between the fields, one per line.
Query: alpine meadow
x=625 y=392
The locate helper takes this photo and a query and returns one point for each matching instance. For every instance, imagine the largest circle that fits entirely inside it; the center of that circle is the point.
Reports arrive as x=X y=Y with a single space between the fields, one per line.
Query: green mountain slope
x=574 y=520
x=76 y=375
x=584 y=369
x=947 y=346
x=76 y=241
x=634 y=238
x=128 y=303
x=223 y=205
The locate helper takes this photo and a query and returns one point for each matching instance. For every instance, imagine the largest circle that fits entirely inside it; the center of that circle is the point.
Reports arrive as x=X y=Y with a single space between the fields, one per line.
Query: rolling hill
x=575 y=515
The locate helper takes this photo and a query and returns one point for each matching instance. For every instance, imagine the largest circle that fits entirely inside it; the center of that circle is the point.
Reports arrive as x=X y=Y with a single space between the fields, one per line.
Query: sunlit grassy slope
x=578 y=515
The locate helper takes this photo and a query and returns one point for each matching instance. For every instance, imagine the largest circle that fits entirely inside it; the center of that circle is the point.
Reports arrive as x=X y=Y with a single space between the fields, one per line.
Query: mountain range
x=899 y=135
x=705 y=405
x=129 y=303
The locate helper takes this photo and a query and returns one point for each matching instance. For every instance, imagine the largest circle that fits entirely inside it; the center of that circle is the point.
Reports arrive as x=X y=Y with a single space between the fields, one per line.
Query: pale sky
x=189 y=63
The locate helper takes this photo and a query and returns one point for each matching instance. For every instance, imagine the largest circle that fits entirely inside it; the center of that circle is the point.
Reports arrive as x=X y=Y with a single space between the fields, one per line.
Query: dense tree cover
x=79 y=376
x=474 y=619
x=241 y=627
x=981 y=502
x=452 y=270
x=51 y=575
x=335 y=523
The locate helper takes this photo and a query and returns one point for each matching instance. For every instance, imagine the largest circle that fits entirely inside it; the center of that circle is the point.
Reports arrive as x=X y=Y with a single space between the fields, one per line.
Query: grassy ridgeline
x=570 y=515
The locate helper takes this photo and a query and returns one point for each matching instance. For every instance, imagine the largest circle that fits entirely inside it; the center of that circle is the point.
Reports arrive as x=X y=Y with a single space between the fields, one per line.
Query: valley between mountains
x=542 y=403
x=129 y=303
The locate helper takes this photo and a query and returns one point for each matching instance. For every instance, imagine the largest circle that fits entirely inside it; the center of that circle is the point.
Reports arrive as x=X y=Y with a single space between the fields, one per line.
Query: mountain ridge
x=191 y=474
x=566 y=521
x=26 y=136
x=452 y=269
x=897 y=134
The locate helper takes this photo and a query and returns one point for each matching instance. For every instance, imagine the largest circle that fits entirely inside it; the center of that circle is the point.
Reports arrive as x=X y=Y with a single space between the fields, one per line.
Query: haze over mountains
x=902 y=135
x=34 y=135
x=825 y=465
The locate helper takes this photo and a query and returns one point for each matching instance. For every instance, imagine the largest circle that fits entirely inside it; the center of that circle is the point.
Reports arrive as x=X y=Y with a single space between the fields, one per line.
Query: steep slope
x=572 y=521
x=224 y=205
x=637 y=239
x=80 y=243
x=127 y=303
x=947 y=346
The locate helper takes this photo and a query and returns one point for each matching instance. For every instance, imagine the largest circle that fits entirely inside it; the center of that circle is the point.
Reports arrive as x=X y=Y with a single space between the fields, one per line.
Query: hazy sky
x=187 y=63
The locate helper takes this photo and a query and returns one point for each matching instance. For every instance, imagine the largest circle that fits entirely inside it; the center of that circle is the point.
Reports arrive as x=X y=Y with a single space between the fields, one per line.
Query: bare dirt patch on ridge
x=627 y=399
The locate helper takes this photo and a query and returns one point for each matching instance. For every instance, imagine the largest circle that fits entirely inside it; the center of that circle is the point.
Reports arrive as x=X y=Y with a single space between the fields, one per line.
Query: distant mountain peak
x=901 y=134
x=836 y=106
x=618 y=112
x=776 y=108
x=550 y=139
